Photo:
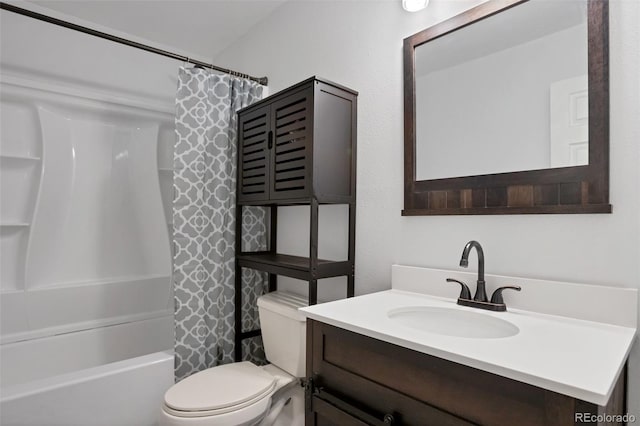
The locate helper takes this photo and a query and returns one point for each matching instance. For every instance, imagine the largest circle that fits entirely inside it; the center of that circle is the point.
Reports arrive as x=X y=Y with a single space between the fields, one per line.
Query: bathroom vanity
x=370 y=364
x=356 y=377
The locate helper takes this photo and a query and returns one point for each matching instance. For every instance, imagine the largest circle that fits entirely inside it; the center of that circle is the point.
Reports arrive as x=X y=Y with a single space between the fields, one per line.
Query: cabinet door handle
x=270 y=139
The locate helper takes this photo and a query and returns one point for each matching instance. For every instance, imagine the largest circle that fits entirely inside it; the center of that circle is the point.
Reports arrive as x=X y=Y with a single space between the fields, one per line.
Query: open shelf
x=13 y=245
x=19 y=182
x=300 y=201
x=19 y=157
x=293 y=266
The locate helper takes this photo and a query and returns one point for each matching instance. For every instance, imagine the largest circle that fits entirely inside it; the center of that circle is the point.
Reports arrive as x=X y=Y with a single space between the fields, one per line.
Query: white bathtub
x=118 y=387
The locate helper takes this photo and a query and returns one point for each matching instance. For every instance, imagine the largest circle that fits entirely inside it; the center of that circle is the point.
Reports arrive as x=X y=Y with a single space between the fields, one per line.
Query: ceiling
x=201 y=29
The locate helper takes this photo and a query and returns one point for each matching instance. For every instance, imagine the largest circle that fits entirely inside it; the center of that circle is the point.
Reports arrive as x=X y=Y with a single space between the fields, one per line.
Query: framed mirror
x=507 y=110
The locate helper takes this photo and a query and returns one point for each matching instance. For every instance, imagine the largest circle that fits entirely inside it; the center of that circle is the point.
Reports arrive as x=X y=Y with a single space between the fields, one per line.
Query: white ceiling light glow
x=414 y=5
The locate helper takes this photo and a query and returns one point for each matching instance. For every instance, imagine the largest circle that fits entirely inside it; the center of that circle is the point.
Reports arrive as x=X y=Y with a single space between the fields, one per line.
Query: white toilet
x=242 y=393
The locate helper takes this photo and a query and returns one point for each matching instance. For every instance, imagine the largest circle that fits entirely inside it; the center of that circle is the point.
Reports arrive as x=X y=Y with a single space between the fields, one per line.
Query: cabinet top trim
x=287 y=91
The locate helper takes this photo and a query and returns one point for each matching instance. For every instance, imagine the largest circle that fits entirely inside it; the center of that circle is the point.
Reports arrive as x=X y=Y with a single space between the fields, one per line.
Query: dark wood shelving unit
x=296 y=147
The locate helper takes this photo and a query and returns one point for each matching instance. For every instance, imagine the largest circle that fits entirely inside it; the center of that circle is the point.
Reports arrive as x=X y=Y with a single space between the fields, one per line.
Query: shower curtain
x=204 y=223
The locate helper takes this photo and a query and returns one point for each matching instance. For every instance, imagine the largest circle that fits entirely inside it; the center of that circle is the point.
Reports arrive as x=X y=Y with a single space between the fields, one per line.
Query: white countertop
x=570 y=356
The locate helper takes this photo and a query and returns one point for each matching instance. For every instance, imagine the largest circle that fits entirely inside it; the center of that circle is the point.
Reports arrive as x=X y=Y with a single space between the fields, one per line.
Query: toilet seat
x=221 y=390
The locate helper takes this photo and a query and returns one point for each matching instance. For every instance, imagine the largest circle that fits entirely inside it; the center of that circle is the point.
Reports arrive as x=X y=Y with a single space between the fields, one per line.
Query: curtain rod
x=106 y=36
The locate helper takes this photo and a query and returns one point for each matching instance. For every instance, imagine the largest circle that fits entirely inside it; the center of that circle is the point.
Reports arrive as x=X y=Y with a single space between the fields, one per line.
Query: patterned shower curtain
x=204 y=223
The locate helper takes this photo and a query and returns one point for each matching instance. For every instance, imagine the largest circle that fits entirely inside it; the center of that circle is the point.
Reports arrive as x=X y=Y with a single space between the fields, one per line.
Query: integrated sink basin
x=453 y=322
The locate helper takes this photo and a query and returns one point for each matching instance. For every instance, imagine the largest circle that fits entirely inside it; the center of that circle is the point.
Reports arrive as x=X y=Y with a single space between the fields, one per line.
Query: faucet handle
x=465 y=293
x=496 y=297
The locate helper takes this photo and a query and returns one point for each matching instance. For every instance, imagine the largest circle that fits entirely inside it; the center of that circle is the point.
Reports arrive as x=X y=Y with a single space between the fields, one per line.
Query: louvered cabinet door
x=292 y=126
x=254 y=156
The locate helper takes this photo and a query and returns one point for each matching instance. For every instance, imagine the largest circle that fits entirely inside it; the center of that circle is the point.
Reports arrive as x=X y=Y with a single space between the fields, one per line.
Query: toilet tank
x=284 y=331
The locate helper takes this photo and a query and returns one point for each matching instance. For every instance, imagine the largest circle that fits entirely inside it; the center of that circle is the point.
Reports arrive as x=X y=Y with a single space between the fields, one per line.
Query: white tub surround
x=86 y=179
x=111 y=376
x=84 y=209
x=573 y=339
x=86 y=306
x=38 y=359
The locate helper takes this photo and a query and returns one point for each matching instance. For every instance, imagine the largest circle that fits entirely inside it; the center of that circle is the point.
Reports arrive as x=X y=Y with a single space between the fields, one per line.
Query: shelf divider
x=19 y=157
x=293 y=266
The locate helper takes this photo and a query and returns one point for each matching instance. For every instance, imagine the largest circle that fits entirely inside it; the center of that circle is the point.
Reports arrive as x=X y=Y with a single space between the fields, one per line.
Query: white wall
x=39 y=50
x=451 y=106
x=358 y=44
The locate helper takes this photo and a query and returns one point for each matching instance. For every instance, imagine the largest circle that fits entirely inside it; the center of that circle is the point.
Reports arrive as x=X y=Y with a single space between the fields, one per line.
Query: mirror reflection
x=508 y=93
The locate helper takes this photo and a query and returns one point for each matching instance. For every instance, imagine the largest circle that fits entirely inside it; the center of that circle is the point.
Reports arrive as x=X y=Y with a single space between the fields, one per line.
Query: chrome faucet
x=480 y=299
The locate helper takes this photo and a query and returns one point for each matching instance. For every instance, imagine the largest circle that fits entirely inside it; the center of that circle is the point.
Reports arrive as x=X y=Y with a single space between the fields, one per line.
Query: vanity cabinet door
x=325 y=414
x=341 y=410
x=375 y=405
x=370 y=399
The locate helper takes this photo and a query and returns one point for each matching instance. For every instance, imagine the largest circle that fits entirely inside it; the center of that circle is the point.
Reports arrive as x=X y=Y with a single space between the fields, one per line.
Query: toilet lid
x=220 y=387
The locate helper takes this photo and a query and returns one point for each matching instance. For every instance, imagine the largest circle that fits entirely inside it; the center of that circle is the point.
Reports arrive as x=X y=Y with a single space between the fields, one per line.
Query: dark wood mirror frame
x=578 y=189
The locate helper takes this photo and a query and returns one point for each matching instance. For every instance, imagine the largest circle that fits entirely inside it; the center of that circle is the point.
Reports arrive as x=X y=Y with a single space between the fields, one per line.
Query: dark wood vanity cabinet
x=357 y=380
